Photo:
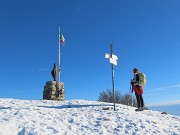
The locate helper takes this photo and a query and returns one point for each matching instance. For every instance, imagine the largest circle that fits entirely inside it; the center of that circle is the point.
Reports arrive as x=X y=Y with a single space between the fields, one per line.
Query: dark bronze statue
x=54 y=73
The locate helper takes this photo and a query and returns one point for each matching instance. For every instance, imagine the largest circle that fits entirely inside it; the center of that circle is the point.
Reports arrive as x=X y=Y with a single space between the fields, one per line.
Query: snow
x=81 y=117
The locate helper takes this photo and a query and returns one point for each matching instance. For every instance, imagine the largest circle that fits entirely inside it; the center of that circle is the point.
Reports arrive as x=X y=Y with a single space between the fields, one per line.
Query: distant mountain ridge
x=173 y=109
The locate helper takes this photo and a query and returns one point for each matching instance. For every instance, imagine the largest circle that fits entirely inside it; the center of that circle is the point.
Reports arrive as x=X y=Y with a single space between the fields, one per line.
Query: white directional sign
x=112 y=60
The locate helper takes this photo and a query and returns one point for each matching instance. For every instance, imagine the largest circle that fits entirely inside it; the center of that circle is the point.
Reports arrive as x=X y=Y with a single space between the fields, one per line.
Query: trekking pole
x=131 y=90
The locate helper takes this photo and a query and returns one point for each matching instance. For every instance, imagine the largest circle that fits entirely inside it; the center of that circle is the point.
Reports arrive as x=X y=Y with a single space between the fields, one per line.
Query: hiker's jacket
x=135 y=79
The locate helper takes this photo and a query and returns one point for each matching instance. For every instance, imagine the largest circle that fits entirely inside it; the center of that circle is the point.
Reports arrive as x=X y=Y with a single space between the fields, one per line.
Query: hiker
x=137 y=88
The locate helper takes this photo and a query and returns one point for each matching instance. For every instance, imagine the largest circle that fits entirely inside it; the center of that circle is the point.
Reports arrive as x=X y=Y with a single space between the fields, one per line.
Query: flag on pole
x=62 y=39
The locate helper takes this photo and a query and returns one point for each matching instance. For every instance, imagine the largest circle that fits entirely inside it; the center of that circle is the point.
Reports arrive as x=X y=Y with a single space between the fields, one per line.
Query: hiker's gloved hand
x=132 y=83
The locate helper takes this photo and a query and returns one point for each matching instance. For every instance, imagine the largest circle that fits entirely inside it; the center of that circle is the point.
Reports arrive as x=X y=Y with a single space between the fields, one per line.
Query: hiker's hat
x=136 y=70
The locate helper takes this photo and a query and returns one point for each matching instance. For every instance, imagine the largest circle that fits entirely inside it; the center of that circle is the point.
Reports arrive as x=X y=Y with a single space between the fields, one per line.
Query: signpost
x=113 y=60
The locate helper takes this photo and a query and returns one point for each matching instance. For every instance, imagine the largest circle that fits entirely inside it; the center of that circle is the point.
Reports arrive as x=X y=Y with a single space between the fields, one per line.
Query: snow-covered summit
x=81 y=117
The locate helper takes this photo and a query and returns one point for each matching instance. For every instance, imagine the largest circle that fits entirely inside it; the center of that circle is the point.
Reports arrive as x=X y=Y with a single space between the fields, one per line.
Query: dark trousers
x=140 y=101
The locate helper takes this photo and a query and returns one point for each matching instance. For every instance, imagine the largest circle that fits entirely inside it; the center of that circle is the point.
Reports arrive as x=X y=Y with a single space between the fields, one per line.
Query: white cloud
x=176 y=86
x=43 y=69
x=163 y=88
x=165 y=103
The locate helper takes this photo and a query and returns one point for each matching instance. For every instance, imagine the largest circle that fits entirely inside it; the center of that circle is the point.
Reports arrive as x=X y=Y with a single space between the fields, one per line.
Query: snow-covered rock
x=81 y=117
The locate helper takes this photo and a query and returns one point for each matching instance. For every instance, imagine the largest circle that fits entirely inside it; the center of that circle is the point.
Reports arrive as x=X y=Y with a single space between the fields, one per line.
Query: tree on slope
x=107 y=96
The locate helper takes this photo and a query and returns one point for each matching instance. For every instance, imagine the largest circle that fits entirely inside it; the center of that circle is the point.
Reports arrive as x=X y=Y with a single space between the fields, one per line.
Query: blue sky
x=145 y=34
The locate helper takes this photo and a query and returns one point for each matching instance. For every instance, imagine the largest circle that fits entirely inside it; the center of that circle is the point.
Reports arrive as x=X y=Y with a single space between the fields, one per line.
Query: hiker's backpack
x=142 y=79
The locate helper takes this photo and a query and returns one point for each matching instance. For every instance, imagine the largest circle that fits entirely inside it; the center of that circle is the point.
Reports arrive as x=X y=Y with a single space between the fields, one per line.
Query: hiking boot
x=139 y=109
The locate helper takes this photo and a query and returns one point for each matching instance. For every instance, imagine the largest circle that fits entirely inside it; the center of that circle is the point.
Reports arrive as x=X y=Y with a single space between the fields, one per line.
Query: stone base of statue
x=53 y=91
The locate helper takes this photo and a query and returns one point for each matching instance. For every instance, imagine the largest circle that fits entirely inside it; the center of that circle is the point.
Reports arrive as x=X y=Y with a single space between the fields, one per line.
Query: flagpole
x=59 y=66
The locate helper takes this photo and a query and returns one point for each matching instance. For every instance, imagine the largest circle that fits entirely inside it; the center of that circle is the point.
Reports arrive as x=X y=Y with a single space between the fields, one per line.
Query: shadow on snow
x=73 y=106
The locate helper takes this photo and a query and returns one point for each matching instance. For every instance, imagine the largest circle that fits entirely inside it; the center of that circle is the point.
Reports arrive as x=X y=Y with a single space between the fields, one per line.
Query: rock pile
x=53 y=90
